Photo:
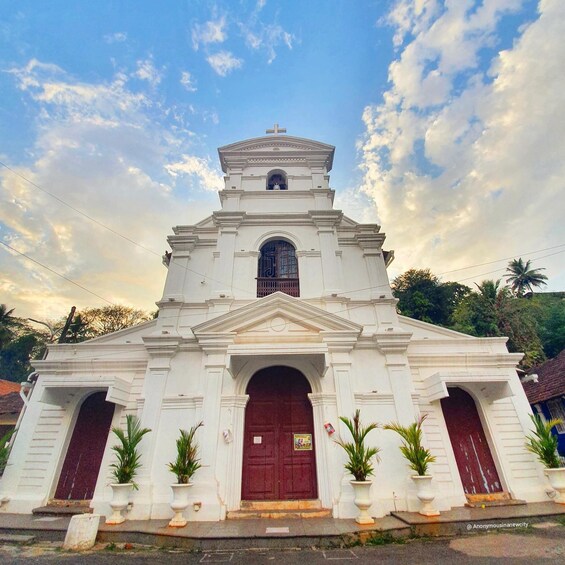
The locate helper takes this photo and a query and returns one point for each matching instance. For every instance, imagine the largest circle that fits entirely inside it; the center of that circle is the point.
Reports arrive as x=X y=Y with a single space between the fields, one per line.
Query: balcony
x=268 y=285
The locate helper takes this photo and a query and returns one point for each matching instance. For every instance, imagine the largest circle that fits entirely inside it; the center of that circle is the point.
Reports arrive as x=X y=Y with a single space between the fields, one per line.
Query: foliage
x=359 y=462
x=521 y=277
x=492 y=311
x=187 y=462
x=127 y=452
x=5 y=449
x=543 y=443
x=421 y=295
x=21 y=342
x=415 y=453
x=95 y=322
x=548 y=309
x=8 y=325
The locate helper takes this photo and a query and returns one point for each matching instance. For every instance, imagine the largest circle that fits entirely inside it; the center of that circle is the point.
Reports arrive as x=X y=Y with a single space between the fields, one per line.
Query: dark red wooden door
x=277 y=464
x=470 y=447
x=86 y=448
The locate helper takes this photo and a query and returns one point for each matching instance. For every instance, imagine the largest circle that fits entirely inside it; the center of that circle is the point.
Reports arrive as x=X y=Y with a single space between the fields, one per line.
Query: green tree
x=522 y=277
x=493 y=311
x=549 y=311
x=9 y=325
x=422 y=295
x=95 y=322
x=15 y=357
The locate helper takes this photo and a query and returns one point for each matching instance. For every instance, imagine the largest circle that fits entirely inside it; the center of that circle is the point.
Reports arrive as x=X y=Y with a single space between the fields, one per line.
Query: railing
x=268 y=285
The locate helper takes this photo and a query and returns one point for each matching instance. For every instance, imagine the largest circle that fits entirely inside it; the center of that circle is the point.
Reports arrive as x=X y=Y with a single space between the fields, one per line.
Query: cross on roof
x=276 y=130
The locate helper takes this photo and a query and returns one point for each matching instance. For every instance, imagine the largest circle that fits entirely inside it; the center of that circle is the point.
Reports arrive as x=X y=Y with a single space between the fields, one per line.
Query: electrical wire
x=56 y=273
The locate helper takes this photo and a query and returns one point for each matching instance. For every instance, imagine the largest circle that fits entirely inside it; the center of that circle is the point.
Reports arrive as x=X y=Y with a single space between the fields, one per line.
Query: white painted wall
x=180 y=368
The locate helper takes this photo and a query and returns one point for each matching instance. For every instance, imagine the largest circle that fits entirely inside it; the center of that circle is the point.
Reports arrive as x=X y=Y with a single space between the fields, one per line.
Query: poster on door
x=302 y=442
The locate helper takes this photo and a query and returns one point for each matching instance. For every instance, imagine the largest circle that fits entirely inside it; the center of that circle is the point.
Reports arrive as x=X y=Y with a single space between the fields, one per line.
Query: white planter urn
x=425 y=494
x=363 y=501
x=179 y=504
x=120 y=499
x=557 y=481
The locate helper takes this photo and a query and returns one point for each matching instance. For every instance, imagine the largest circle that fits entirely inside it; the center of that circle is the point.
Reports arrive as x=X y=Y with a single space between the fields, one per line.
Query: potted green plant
x=126 y=467
x=360 y=463
x=419 y=459
x=543 y=444
x=184 y=467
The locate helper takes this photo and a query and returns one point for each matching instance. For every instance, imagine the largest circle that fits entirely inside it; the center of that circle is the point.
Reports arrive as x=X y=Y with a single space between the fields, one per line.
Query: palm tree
x=521 y=277
x=8 y=324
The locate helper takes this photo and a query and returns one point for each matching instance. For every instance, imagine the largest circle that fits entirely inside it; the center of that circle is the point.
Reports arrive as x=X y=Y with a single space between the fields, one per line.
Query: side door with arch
x=81 y=466
x=470 y=446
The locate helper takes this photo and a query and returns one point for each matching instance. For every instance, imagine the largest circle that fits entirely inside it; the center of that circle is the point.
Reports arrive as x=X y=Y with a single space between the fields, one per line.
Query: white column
x=394 y=346
x=228 y=224
x=325 y=410
x=161 y=350
x=370 y=240
x=207 y=485
x=230 y=461
x=326 y=221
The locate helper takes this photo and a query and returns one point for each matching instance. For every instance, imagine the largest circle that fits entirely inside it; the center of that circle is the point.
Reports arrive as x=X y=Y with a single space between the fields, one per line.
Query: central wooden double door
x=279 y=460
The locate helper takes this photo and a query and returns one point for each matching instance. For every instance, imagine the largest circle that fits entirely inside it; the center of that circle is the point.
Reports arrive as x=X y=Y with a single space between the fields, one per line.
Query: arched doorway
x=86 y=449
x=472 y=453
x=279 y=459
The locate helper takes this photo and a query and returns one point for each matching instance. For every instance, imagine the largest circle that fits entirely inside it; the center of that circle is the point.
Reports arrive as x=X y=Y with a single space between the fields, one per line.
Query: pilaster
x=228 y=223
x=394 y=344
x=161 y=349
x=326 y=221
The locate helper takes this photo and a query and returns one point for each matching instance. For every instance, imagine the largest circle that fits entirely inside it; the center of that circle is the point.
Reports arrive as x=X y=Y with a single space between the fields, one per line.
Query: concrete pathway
x=290 y=533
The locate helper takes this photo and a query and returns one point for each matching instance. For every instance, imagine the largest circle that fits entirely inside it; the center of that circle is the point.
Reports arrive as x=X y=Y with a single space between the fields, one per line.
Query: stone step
x=274 y=514
x=491 y=500
x=60 y=508
x=472 y=498
x=310 y=504
x=19 y=539
x=493 y=503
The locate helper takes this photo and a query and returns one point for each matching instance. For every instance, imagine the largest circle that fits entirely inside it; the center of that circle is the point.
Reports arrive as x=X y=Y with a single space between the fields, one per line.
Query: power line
x=55 y=272
x=133 y=242
x=79 y=211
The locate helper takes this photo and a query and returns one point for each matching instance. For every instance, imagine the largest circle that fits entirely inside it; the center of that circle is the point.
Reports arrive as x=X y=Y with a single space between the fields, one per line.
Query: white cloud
x=209 y=177
x=267 y=37
x=146 y=71
x=224 y=62
x=104 y=150
x=118 y=37
x=187 y=81
x=212 y=31
x=464 y=166
x=260 y=36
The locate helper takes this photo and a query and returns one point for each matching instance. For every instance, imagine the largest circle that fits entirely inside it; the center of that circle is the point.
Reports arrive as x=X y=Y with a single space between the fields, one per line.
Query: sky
x=447 y=117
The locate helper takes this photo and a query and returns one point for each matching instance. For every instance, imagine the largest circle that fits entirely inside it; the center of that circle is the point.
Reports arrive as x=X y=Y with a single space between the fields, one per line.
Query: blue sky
x=446 y=117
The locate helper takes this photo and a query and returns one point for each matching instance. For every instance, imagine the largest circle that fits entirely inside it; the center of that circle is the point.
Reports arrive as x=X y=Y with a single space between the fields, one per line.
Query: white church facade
x=276 y=318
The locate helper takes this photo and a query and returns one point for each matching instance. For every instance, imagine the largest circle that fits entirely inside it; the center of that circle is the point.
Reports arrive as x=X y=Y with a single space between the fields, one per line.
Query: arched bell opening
x=277 y=180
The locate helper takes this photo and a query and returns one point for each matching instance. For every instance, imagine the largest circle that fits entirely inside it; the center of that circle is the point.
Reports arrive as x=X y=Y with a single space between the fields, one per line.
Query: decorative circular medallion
x=278 y=324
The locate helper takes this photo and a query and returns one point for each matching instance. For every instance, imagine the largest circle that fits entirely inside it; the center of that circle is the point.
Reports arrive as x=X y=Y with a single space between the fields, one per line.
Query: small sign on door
x=257 y=440
x=302 y=442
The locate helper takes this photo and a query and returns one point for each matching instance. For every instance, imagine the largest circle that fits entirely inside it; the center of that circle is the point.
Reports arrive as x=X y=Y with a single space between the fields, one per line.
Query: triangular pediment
x=277 y=317
x=276 y=145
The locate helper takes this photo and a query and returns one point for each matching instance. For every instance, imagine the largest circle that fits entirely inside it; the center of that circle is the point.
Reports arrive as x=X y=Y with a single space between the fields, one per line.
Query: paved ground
x=542 y=542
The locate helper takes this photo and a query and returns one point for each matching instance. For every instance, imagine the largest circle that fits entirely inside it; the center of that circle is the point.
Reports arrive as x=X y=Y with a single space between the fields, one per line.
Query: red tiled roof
x=551 y=380
x=8 y=386
x=11 y=403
